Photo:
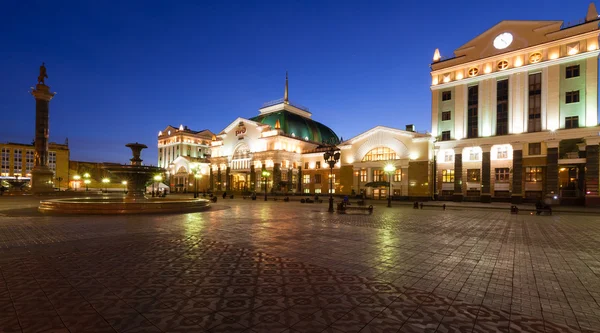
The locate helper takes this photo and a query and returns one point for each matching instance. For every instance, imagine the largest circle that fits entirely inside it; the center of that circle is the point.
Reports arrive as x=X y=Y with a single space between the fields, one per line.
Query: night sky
x=125 y=70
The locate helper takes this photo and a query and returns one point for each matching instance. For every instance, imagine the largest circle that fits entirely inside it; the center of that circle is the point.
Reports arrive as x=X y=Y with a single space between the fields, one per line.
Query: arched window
x=242 y=152
x=380 y=154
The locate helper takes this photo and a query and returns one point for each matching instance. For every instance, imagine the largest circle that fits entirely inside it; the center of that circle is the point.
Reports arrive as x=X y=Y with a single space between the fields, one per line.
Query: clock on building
x=503 y=40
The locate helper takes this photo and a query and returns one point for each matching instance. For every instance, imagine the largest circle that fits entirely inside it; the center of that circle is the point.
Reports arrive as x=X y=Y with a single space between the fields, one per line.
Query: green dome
x=298 y=126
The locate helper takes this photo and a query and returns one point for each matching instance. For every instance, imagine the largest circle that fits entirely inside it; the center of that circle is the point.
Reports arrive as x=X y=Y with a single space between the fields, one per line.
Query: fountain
x=135 y=201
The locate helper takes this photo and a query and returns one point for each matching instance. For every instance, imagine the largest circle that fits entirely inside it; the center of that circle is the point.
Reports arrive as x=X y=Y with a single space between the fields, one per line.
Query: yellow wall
x=62 y=160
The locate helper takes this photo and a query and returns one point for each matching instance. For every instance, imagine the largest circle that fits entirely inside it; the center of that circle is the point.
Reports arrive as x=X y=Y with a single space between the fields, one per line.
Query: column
x=41 y=175
x=300 y=180
x=369 y=190
x=212 y=180
x=228 y=179
x=252 y=185
x=517 y=173
x=277 y=176
x=486 y=195
x=551 y=179
x=289 y=182
x=592 y=197
x=219 y=182
x=458 y=194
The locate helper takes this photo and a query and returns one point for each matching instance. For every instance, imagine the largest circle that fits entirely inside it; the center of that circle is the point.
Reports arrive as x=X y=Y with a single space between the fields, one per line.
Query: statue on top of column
x=43 y=74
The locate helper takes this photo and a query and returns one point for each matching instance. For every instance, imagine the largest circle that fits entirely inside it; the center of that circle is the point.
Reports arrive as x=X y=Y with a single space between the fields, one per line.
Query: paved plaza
x=255 y=266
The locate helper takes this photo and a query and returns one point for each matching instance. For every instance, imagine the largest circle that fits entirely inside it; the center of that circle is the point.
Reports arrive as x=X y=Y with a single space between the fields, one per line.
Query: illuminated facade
x=17 y=161
x=515 y=114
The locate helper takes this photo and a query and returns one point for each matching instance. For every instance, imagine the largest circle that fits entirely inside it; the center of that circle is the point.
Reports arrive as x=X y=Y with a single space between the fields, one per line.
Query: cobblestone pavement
x=253 y=266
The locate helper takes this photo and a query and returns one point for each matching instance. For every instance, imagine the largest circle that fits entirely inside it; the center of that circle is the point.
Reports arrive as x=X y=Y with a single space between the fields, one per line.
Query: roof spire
x=285 y=94
x=592 y=13
x=436 y=55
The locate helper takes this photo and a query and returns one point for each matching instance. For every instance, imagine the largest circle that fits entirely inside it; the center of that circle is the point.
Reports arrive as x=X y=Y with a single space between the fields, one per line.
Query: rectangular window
x=306 y=190
x=448 y=176
x=318 y=165
x=398 y=175
x=572 y=71
x=317 y=179
x=572 y=122
x=18 y=162
x=445 y=135
x=284 y=176
x=502 y=153
x=446 y=115
x=502 y=107
x=534 y=123
x=52 y=161
x=448 y=156
x=572 y=97
x=306 y=179
x=502 y=175
x=28 y=161
x=363 y=176
x=474 y=175
x=317 y=191
x=5 y=161
x=474 y=156
x=533 y=174
x=535 y=148
x=446 y=95
x=472 y=112
x=305 y=165
x=378 y=175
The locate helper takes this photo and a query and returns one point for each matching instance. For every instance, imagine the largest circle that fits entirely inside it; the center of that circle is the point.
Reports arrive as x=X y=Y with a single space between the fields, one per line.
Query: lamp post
x=389 y=169
x=59 y=180
x=331 y=157
x=196 y=177
x=77 y=178
x=124 y=183
x=86 y=181
x=105 y=181
x=157 y=178
x=266 y=175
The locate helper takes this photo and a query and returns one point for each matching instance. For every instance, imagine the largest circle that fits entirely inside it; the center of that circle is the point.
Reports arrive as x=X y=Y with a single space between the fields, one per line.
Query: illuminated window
x=284 y=176
x=380 y=154
x=502 y=65
x=448 y=176
x=378 y=175
x=28 y=161
x=534 y=174
x=306 y=179
x=474 y=175
x=572 y=71
x=317 y=191
x=5 y=161
x=502 y=152
x=306 y=190
x=52 y=161
x=398 y=175
x=363 y=176
x=18 y=162
x=473 y=71
x=502 y=175
x=535 y=57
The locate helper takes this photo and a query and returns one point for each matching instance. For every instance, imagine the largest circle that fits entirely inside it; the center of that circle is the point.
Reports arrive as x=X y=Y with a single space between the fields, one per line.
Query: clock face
x=503 y=40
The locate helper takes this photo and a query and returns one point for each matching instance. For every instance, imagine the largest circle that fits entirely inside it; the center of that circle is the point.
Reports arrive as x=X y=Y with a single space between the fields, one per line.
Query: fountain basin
x=109 y=206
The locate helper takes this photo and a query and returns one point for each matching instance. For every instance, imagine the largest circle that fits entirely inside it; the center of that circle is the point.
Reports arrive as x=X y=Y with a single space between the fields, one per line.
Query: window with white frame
x=18 y=162
x=5 y=161
x=448 y=156
x=502 y=152
x=28 y=161
x=502 y=175
x=306 y=179
x=52 y=161
x=474 y=155
x=363 y=176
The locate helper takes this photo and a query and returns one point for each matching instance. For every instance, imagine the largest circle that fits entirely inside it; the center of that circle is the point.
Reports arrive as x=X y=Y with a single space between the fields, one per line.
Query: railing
x=279 y=101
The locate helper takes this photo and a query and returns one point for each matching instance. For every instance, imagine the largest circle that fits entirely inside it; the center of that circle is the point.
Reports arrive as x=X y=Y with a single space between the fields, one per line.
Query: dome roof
x=298 y=126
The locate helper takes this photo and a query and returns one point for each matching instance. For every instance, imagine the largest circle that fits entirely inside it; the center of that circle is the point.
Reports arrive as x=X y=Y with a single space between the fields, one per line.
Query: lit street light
x=331 y=157
x=266 y=175
x=86 y=181
x=77 y=178
x=124 y=186
x=105 y=181
x=59 y=180
x=389 y=169
x=157 y=178
x=196 y=178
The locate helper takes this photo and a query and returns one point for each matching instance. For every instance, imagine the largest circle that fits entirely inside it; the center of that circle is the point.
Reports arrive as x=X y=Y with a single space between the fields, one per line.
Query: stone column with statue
x=41 y=175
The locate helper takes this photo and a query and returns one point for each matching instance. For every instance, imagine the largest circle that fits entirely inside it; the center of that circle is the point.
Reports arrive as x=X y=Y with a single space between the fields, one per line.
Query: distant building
x=17 y=161
x=515 y=114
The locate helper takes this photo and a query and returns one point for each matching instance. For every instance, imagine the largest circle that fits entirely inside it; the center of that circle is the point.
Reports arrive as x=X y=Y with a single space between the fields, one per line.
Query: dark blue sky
x=124 y=70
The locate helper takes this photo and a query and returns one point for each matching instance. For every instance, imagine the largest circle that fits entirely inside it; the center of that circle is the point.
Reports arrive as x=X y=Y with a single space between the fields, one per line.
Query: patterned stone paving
x=287 y=267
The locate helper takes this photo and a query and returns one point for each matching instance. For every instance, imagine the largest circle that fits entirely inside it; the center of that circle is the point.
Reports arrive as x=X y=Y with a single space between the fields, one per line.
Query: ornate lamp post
x=105 y=181
x=266 y=175
x=389 y=169
x=86 y=181
x=124 y=183
x=157 y=178
x=77 y=178
x=331 y=156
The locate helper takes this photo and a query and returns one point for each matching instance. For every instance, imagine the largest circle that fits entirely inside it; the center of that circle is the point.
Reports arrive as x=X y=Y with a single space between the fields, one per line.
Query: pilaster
x=486 y=195
x=458 y=194
x=517 y=173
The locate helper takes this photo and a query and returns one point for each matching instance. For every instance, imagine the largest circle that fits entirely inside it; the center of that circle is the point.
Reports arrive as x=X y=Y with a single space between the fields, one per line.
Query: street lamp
x=196 y=177
x=59 y=180
x=86 y=181
x=157 y=178
x=105 y=181
x=124 y=183
x=389 y=169
x=332 y=156
x=266 y=175
x=77 y=178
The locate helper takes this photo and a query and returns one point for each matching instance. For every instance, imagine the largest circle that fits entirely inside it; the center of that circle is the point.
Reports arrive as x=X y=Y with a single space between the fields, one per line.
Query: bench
x=343 y=208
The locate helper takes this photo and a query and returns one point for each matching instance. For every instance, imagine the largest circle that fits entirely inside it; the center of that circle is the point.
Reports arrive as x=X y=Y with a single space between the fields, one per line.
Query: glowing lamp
x=413 y=156
x=573 y=50
x=518 y=62
x=487 y=69
x=553 y=55
x=459 y=76
x=592 y=47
